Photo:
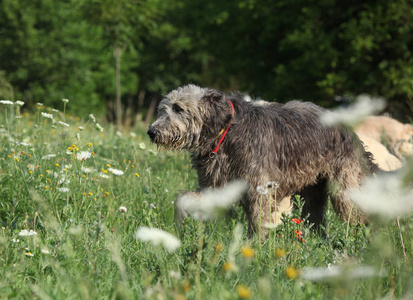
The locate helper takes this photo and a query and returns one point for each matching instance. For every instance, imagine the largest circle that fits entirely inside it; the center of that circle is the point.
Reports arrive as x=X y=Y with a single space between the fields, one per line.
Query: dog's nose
x=152 y=133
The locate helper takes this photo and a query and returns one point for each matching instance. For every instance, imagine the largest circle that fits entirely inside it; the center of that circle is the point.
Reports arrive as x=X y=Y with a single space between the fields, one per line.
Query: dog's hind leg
x=346 y=209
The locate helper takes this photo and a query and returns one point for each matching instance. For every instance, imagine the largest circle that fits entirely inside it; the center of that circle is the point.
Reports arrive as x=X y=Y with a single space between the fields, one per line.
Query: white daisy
x=48 y=156
x=83 y=155
x=116 y=172
x=25 y=232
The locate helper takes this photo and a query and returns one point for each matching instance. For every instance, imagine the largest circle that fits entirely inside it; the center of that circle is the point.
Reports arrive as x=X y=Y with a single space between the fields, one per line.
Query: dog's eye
x=176 y=108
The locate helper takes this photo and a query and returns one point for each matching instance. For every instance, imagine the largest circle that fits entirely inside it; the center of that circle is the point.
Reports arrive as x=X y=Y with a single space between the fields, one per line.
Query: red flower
x=296 y=221
x=299 y=233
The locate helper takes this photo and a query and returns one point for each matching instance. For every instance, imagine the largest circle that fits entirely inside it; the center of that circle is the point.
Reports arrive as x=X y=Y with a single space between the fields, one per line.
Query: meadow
x=74 y=193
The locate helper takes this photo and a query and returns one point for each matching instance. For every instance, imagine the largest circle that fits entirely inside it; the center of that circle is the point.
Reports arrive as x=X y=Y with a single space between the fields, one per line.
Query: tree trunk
x=118 y=55
x=141 y=102
x=127 y=113
x=151 y=111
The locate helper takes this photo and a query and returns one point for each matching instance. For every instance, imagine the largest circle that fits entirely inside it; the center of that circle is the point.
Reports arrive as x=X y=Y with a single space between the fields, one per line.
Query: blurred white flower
x=48 y=156
x=262 y=190
x=364 y=106
x=82 y=155
x=116 y=172
x=123 y=209
x=86 y=169
x=16 y=241
x=75 y=230
x=65 y=100
x=80 y=128
x=46 y=115
x=384 y=195
x=39 y=104
x=247 y=98
x=103 y=175
x=92 y=117
x=158 y=237
x=175 y=274
x=63 y=190
x=25 y=232
x=29 y=254
x=339 y=272
x=211 y=202
x=19 y=103
x=6 y=102
x=45 y=251
x=63 y=124
x=132 y=134
x=118 y=133
x=98 y=127
x=142 y=145
x=62 y=179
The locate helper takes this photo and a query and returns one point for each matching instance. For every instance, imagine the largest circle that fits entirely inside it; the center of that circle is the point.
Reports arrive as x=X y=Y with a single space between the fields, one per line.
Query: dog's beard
x=174 y=142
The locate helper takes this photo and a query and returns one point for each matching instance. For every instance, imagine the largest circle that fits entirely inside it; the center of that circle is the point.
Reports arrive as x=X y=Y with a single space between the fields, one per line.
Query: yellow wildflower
x=247 y=252
x=291 y=272
x=243 y=291
x=186 y=286
x=218 y=247
x=279 y=253
x=228 y=266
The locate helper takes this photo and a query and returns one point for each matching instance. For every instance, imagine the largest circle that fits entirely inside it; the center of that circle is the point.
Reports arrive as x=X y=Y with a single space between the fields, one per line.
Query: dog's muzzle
x=152 y=132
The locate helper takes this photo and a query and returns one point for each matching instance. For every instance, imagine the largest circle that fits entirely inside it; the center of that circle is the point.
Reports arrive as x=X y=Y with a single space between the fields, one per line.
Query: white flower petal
x=158 y=237
x=364 y=106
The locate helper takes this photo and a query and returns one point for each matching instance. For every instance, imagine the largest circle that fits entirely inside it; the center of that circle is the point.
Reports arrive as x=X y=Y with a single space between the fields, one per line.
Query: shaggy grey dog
x=230 y=139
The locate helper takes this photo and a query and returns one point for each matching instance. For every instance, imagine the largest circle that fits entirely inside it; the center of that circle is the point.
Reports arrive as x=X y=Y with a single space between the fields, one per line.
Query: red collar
x=212 y=154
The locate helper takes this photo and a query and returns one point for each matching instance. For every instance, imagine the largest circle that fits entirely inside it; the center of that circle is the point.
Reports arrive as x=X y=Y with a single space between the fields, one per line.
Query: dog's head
x=189 y=116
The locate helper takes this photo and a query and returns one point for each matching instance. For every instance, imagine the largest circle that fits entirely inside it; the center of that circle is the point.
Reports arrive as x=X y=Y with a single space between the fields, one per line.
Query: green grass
x=93 y=253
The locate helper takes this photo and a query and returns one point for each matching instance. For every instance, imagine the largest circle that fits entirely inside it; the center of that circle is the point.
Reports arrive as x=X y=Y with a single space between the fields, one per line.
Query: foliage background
x=275 y=50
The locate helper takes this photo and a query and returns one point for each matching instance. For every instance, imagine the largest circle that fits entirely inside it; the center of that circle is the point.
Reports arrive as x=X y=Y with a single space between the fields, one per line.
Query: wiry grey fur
x=285 y=143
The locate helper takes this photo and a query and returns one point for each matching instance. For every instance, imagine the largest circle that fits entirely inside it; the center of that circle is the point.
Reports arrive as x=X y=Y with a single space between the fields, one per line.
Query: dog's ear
x=212 y=96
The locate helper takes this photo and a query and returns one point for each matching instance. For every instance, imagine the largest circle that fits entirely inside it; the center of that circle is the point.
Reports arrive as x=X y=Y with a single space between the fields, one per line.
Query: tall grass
x=68 y=183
